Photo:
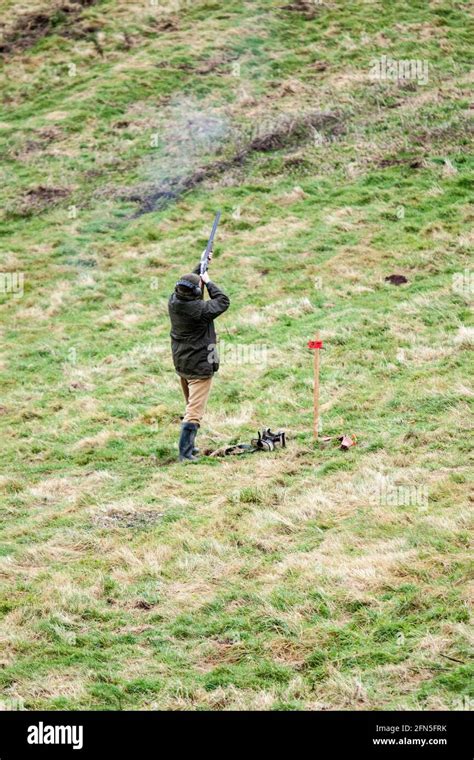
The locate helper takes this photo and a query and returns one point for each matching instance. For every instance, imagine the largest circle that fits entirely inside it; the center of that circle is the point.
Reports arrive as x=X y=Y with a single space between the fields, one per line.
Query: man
x=193 y=343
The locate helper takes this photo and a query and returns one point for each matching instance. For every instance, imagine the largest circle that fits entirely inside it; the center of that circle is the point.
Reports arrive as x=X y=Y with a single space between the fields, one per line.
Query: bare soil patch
x=307 y=8
x=37 y=199
x=127 y=518
x=30 y=27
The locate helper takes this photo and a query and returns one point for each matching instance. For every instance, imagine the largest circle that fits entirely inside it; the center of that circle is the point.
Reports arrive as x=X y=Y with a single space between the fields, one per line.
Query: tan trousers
x=196 y=392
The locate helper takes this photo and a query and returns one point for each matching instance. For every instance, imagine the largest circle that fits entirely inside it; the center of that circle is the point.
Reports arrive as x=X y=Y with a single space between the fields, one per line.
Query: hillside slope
x=310 y=578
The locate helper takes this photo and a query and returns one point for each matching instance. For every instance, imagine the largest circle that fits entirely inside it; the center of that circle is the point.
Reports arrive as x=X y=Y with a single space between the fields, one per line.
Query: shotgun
x=208 y=249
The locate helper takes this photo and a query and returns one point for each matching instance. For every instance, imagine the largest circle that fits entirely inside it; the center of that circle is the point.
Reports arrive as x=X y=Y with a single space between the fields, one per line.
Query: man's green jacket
x=193 y=337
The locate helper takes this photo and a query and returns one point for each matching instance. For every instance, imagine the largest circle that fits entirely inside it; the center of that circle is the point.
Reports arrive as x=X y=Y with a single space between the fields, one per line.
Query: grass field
x=308 y=578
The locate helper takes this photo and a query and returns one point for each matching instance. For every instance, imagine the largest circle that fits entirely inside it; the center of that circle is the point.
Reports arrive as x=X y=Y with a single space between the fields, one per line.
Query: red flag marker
x=316 y=345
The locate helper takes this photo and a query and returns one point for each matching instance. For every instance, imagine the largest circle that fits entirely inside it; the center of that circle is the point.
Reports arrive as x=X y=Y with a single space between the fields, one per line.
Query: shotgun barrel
x=205 y=255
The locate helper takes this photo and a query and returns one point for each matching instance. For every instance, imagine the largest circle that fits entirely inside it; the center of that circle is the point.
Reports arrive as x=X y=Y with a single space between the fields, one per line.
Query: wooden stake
x=316 y=388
